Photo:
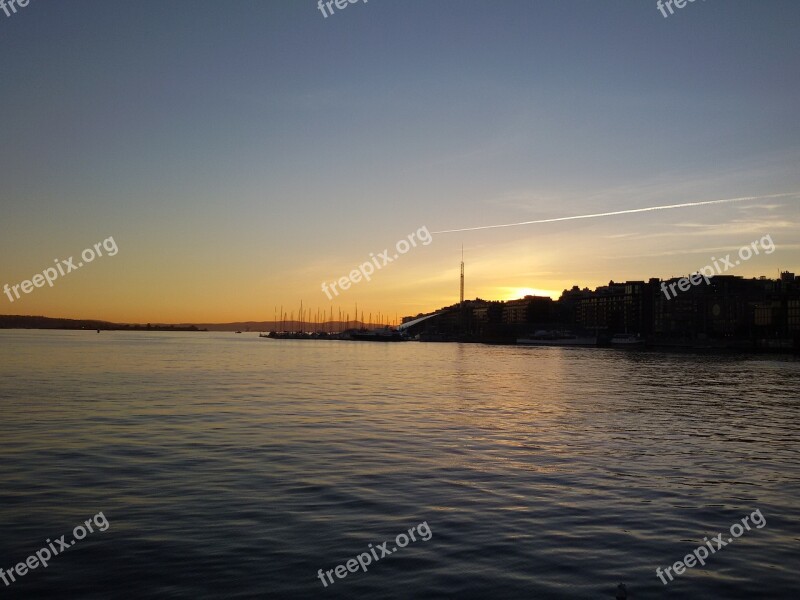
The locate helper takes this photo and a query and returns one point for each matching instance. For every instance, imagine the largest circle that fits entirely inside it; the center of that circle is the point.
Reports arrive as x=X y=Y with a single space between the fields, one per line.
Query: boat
x=557 y=338
x=378 y=335
x=626 y=340
x=569 y=341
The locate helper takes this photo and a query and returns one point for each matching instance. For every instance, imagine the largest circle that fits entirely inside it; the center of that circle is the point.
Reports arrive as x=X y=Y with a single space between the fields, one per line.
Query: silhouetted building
x=528 y=310
x=725 y=312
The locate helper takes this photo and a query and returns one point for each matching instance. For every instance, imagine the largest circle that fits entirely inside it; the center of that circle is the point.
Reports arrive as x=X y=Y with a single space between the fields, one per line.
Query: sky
x=242 y=153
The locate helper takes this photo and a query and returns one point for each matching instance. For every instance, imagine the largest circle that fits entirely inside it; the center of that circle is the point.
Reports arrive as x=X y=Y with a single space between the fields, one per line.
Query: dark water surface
x=234 y=467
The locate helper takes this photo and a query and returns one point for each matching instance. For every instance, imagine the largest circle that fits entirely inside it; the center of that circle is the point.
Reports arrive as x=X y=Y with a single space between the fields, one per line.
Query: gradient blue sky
x=242 y=152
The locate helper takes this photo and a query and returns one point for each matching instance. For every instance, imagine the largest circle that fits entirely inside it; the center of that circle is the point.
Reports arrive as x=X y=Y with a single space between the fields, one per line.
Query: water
x=230 y=466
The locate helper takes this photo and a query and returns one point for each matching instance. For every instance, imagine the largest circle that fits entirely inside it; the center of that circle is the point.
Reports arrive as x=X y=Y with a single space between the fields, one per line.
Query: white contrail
x=620 y=212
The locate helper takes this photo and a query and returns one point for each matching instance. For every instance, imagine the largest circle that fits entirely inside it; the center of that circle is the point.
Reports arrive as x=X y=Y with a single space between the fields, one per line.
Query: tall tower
x=462 y=274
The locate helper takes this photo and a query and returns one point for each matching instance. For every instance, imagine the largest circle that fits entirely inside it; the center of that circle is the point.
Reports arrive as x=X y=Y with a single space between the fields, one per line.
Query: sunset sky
x=241 y=153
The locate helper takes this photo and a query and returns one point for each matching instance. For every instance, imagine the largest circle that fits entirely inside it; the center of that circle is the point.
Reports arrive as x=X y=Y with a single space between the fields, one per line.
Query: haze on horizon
x=240 y=155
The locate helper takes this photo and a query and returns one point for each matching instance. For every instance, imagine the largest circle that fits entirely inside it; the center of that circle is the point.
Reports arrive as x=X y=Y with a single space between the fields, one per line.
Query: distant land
x=28 y=322
x=287 y=325
x=31 y=322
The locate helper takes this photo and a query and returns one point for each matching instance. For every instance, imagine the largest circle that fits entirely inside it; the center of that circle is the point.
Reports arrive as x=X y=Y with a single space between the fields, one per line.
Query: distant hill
x=29 y=322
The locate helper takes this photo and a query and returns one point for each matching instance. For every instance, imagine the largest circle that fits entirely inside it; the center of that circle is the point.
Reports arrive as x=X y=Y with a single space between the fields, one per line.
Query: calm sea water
x=235 y=467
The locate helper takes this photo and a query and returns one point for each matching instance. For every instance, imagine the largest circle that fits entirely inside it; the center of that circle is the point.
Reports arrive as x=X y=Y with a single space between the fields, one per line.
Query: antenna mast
x=462 y=274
